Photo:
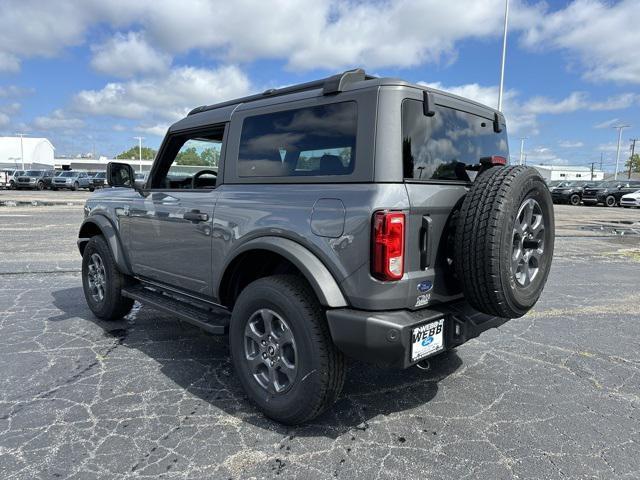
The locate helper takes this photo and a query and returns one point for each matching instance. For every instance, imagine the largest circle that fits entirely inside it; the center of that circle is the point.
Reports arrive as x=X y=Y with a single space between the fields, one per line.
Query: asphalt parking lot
x=555 y=394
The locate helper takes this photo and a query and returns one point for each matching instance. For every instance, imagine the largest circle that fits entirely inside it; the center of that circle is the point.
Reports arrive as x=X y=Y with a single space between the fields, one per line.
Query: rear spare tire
x=504 y=241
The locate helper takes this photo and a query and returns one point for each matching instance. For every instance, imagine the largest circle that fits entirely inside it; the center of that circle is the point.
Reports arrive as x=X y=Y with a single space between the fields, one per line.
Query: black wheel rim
x=270 y=351
x=96 y=278
x=528 y=246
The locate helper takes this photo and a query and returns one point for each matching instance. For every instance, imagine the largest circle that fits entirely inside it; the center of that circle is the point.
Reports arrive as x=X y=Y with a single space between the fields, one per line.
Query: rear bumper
x=384 y=338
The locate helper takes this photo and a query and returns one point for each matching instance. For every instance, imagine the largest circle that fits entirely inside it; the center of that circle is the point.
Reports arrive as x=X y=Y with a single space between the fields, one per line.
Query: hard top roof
x=348 y=80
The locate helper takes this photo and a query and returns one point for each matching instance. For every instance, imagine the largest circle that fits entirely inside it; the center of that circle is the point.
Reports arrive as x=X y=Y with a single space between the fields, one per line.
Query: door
x=171 y=224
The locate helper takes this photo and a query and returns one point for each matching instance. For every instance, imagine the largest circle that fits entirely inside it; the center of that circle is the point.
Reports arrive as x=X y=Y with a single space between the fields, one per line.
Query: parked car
x=11 y=178
x=34 y=179
x=5 y=178
x=72 y=180
x=609 y=193
x=570 y=192
x=98 y=180
x=630 y=199
x=332 y=234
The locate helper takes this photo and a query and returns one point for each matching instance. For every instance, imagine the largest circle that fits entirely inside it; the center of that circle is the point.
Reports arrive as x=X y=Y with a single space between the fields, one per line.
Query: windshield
x=67 y=174
x=101 y=175
x=33 y=173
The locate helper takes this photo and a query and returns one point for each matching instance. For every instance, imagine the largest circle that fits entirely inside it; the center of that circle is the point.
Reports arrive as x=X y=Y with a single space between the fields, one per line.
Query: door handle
x=195 y=216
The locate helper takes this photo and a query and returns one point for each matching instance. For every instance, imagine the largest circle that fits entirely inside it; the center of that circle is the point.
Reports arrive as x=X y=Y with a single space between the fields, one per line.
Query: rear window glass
x=442 y=146
x=308 y=141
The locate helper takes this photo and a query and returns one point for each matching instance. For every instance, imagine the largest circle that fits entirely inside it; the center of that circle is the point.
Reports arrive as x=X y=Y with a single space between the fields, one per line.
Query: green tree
x=188 y=156
x=210 y=157
x=634 y=163
x=134 y=152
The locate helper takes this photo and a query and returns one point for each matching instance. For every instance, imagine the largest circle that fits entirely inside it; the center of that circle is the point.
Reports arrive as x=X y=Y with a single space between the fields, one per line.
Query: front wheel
x=91 y=189
x=102 y=282
x=76 y=186
x=610 y=201
x=575 y=199
x=282 y=351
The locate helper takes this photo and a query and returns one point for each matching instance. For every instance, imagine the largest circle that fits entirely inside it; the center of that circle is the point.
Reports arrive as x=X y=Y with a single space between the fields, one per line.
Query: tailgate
x=427 y=242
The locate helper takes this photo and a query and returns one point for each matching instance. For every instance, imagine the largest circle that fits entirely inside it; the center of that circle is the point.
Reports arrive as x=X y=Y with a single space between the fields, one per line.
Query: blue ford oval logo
x=425 y=286
x=427 y=341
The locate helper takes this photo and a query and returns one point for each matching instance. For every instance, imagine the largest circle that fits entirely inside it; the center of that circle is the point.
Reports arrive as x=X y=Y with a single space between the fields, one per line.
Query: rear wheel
x=575 y=199
x=610 y=201
x=76 y=186
x=504 y=241
x=40 y=186
x=102 y=282
x=282 y=351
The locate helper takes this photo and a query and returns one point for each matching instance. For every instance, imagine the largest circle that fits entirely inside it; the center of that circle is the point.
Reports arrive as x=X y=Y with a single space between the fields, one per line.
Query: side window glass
x=190 y=162
x=310 y=141
x=442 y=146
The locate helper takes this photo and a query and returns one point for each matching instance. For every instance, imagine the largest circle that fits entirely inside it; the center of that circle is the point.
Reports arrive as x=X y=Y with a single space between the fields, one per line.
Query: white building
x=565 y=172
x=36 y=152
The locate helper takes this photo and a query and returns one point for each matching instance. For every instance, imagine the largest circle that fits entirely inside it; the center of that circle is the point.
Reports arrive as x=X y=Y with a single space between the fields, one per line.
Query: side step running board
x=215 y=322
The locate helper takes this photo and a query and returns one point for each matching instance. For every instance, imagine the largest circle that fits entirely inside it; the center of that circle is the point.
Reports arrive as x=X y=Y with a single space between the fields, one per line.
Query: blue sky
x=91 y=75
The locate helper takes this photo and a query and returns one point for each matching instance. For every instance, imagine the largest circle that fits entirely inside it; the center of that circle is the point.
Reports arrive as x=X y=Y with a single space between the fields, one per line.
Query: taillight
x=387 y=262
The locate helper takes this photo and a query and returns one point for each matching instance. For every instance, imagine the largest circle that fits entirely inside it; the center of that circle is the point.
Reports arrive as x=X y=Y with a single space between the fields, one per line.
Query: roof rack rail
x=330 y=85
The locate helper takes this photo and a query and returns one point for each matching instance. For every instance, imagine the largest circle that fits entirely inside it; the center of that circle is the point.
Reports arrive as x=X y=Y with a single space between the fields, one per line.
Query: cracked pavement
x=555 y=394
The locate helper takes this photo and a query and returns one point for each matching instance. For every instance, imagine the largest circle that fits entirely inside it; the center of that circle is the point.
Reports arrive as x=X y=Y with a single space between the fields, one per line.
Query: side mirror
x=120 y=175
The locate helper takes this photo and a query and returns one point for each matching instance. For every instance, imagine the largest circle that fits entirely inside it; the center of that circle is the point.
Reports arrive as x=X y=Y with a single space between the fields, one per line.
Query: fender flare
x=110 y=234
x=315 y=272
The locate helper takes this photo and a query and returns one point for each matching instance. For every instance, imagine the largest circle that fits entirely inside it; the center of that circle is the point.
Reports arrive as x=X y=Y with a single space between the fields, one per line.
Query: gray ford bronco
x=358 y=216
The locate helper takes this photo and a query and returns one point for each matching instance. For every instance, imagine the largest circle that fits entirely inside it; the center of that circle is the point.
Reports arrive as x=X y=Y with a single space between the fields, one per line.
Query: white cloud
x=128 y=55
x=579 y=101
x=544 y=155
x=308 y=34
x=608 y=147
x=570 y=144
x=575 y=101
x=4 y=119
x=10 y=91
x=158 y=130
x=607 y=123
x=602 y=37
x=9 y=63
x=167 y=97
x=58 y=120
x=518 y=120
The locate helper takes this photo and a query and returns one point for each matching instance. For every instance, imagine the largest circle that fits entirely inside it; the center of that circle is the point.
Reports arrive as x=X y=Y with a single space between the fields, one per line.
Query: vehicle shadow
x=369 y=391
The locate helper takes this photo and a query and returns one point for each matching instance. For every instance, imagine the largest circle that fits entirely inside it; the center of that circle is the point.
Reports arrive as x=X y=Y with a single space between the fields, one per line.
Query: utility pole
x=504 y=54
x=140 y=150
x=601 y=155
x=522 y=139
x=619 y=128
x=592 y=164
x=633 y=151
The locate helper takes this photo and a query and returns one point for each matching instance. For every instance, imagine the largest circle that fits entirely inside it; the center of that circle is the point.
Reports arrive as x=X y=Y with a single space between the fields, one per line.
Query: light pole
x=620 y=128
x=522 y=139
x=140 y=150
x=21 y=148
x=504 y=54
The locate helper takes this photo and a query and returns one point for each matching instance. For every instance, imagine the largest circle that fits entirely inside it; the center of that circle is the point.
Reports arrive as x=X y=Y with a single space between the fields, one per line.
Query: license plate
x=427 y=340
